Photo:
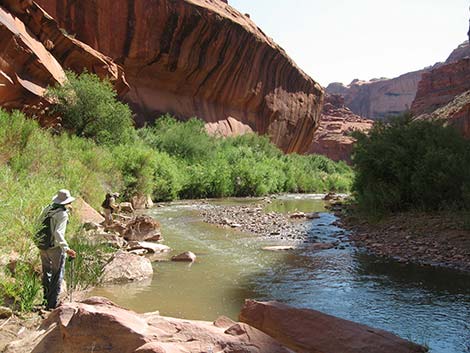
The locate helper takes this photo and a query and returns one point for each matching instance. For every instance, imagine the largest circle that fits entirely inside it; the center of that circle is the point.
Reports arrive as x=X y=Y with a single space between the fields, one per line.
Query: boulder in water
x=187 y=256
x=142 y=228
x=127 y=267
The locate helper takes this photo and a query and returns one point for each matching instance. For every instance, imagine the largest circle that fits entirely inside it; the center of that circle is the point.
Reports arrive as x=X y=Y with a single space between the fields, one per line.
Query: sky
x=341 y=40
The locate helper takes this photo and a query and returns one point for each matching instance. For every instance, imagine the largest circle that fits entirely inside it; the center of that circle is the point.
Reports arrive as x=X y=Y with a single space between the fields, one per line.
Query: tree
x=89 y=108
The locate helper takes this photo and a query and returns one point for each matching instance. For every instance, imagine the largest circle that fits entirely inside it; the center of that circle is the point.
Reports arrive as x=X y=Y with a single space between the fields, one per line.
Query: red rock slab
x=310 y=331
x=25 y=64
x=97 y=325
x=86 y=213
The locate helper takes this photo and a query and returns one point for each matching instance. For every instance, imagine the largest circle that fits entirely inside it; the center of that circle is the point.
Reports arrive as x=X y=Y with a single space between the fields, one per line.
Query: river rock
x=5 y=312
x=142 y=228
x=297 y=215
x=140 y=202
x=321 y=246
x=140 y=252
x=86 y=213
x=278 y=248
x=127 y=267
x=111 y=239
x=307 y=331
x=151 y=247
x=116 y=227
x=187 y=256
x=126 y=207
x=312 y=215
x=224 y=322
x=97 y=325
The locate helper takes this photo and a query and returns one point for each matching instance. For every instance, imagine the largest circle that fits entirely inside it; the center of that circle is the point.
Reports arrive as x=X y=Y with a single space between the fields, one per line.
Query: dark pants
x=53 y=265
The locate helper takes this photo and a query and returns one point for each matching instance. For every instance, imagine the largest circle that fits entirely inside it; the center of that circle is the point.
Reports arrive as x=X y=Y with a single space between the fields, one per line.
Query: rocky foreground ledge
x=98 y=325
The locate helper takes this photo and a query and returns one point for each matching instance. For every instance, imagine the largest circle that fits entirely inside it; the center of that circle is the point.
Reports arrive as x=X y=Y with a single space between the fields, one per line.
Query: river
x=427 y=306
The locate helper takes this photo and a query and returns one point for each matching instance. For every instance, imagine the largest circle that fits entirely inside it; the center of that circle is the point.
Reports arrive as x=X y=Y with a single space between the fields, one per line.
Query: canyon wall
x=441 y=85
x=333 y=138
x=34 y=53
x=444 y=94
x=379 y=98
x=199 y=58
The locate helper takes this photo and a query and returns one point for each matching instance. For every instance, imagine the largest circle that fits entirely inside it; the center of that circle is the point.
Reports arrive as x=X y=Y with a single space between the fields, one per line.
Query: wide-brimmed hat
x=63 y=197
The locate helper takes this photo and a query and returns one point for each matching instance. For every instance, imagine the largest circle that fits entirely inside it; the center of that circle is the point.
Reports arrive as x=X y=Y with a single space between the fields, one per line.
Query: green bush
x=90 y=108
x=137 y=164
x=405 y=164
x=169 y=176
x=185 y=140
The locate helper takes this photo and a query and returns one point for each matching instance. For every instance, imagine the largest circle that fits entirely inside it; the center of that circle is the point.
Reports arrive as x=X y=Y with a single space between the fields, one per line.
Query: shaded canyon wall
x=199 y=58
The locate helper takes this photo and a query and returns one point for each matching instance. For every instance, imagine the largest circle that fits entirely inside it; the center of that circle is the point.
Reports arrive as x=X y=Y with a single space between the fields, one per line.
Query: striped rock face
x=34 y=53
x=199 y=58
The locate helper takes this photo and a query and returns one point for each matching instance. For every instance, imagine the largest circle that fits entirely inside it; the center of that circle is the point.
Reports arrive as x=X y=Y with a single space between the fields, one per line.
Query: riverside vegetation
x=406 y=164
x=412 y=193
x=99 y=150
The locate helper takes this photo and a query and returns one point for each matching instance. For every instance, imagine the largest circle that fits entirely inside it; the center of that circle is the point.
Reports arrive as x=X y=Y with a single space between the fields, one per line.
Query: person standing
x=54 y=247
x=109 y=207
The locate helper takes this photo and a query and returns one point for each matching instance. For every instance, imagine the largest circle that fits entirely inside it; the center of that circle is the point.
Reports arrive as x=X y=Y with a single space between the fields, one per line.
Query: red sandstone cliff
x=333 y=137
x=444 y=93
x=199 y=58
x=377 y=99
x=34 y=53
x=441 y=85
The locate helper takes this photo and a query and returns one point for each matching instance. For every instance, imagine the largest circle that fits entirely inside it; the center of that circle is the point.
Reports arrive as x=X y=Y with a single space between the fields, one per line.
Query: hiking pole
x=72 y=270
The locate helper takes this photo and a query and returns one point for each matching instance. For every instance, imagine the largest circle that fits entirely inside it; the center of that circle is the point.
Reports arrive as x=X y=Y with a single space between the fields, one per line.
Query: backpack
x=43 y=238
x=107 y=202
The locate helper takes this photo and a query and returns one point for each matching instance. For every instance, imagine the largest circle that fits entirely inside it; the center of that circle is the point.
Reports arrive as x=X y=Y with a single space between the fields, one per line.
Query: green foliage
x=137 y=163
x=33 y=165
x=198 y=165
x=90 y=109
x=185 y=140
x=405 y=164
x=169 y=176
x=22 y=287
x=88 y=265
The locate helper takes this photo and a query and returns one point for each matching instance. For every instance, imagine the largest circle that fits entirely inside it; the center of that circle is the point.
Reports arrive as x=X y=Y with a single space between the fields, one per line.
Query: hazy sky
x=339 y=40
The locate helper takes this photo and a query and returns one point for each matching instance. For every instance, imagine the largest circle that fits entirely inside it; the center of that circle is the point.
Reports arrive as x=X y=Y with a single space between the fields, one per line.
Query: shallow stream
x=428 y=306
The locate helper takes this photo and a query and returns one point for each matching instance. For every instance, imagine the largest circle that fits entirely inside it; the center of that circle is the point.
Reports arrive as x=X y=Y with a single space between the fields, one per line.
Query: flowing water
x=428 y=306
